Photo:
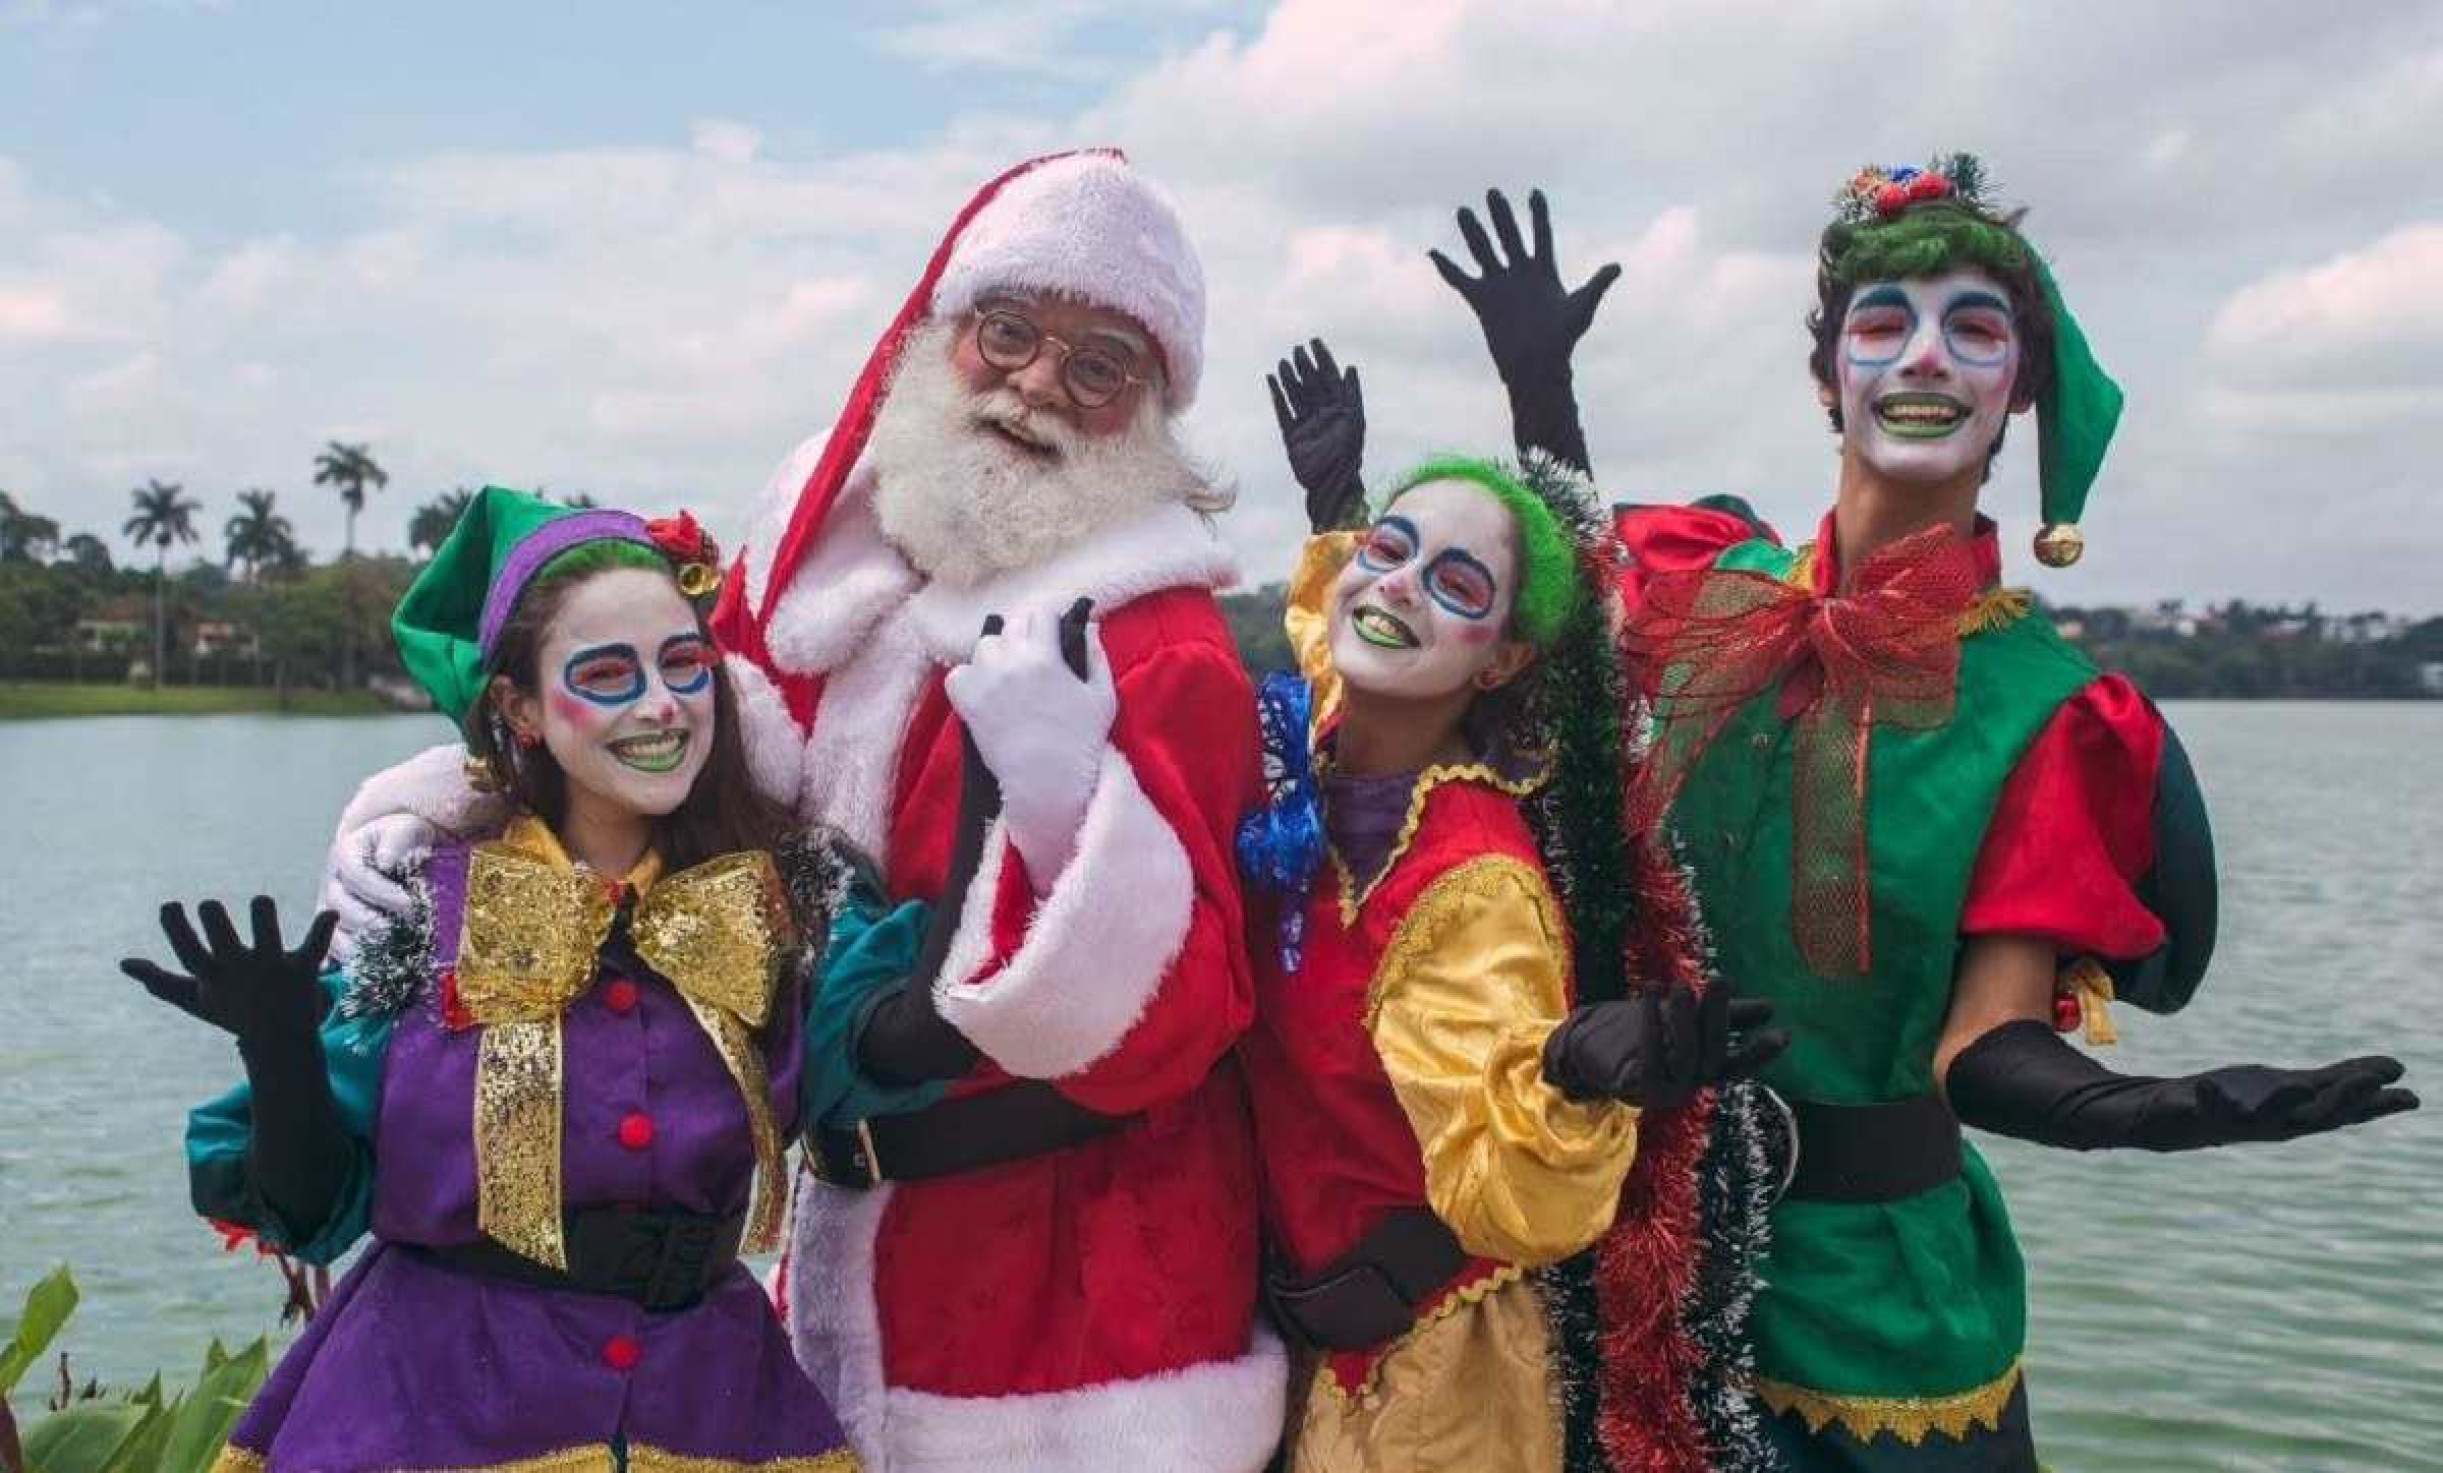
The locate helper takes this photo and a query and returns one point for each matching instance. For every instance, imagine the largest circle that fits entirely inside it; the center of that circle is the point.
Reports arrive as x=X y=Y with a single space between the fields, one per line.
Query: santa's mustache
x=1002 y=410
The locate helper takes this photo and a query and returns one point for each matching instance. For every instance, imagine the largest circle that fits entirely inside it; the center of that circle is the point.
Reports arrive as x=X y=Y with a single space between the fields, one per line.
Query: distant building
x=2430 y=677
x=224 y=637
x=120 y=625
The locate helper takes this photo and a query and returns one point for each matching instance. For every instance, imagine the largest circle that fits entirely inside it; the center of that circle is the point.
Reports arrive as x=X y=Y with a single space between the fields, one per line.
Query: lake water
x=2267 y=1308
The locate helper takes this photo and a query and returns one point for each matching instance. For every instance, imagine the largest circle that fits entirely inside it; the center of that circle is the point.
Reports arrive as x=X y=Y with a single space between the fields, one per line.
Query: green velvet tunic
x=1902 y=1316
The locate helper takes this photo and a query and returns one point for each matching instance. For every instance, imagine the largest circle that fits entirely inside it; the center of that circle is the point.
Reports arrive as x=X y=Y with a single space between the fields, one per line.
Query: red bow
x=681 y=539
x=1712 y=639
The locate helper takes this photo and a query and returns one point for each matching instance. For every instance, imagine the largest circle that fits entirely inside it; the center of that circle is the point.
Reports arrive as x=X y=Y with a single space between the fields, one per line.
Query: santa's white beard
x=963 y=504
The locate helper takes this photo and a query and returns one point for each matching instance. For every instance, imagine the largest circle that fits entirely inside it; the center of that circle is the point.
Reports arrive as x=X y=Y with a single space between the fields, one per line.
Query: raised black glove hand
x=270 y=998
x=2022 y=1080
x=1656 y=1051
x=1531 y=322
x=259 y=993
x=1322 y=413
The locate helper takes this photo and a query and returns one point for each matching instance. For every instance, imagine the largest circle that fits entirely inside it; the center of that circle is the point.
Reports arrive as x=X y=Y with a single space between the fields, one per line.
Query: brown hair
x=721 y=814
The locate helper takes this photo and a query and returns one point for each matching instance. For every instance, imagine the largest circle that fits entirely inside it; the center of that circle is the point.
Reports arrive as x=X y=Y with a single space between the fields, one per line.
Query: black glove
x=271 y=1000
x=1531 y=322
x=1322 y=413
x=1657 y=1051
x=2022 y=1079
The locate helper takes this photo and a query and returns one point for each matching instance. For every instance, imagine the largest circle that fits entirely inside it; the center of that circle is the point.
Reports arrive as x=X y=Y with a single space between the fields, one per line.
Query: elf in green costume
x=1921 y=824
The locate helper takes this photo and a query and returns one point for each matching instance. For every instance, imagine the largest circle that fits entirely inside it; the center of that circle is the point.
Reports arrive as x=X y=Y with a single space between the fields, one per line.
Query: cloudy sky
x=639 y=249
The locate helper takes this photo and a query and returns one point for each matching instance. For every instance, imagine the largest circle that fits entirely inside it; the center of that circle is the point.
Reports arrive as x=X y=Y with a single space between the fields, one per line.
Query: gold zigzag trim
x=596 y=1459
x=1452 y=1303
x=1908 y=1418
x=1353 y=897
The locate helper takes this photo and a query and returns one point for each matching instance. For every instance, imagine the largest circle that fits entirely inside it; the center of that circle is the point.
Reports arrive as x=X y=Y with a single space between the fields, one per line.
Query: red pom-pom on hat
x=1929 y=185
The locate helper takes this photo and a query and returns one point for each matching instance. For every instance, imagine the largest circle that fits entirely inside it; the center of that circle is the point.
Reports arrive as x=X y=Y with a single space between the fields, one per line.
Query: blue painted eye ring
x=1365 y=548
x=634 y=689
x=704 y=668
x=1433 y=587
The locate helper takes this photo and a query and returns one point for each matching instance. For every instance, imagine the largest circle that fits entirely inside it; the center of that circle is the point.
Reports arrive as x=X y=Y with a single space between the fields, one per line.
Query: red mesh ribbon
x=1887 y=653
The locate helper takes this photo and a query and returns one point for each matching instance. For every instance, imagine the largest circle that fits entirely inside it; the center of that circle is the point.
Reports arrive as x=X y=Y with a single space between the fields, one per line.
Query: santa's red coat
x=1091 y=1308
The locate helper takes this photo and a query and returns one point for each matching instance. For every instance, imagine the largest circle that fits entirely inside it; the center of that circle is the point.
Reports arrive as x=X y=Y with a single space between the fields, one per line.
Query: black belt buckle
x=663 y=1261
x=1356 y=1308
x=846 y=1158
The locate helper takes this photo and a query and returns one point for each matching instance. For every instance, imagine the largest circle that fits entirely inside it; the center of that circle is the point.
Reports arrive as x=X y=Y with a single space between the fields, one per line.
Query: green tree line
x=264 y=612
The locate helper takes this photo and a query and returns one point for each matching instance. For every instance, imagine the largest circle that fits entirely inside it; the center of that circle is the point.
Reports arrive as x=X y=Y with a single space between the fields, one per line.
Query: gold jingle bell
x=2059 y=544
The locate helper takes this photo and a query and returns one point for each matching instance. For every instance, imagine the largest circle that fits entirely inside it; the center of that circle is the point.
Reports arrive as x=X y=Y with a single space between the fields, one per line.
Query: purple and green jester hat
x=449 y=623
x=1903 y=222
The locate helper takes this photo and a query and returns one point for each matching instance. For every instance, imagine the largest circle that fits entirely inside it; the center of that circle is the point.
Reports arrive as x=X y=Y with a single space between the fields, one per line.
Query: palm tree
x=350 y=469
x=258 y=536
x=163 y=516
x=433 y=521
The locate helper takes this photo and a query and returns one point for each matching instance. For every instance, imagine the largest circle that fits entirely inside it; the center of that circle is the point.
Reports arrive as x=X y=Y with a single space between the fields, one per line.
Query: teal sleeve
x=218 y=1133
x=870 y=949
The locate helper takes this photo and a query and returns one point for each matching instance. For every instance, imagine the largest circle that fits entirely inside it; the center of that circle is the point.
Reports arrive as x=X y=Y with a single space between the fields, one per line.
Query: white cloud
x=2370 y=318
x=660 y=323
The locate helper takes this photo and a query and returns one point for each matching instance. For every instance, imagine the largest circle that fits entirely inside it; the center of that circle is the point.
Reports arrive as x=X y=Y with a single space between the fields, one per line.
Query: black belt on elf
x=1873 y=1153
x=1023 y=1120
x=1370 y=1295
x=659 y=1261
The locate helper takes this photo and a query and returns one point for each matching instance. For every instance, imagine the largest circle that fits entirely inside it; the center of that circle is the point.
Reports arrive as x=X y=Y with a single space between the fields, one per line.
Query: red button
x=620 y=996
x=622 y=1352
x=636 y=1131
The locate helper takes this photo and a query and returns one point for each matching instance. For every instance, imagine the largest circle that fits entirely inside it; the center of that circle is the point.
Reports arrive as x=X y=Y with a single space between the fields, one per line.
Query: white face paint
x=625 y=682
x=1424 y=606
x=1926 y=368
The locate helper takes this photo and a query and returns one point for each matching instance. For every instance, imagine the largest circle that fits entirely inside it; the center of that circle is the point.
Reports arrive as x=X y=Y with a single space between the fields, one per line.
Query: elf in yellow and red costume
x=1439 y=1114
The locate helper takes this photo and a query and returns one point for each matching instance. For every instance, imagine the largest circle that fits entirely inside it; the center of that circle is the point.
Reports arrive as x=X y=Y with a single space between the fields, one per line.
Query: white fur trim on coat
x=775 y=745
x=1219 y=1417
x=1089 y=226
x=1096 y=949
x=1168 y=547
x=849 y=582
x=833 y=1324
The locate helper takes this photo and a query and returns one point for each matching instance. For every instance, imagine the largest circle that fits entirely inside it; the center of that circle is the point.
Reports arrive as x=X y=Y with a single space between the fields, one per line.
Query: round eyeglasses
x=1093 y=375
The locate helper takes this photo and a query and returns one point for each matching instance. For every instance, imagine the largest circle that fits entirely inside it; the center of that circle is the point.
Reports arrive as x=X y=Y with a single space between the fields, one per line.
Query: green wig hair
x=1549 y=586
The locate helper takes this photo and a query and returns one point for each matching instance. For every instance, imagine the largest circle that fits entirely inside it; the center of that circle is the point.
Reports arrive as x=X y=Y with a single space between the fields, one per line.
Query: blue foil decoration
x=1280 y=846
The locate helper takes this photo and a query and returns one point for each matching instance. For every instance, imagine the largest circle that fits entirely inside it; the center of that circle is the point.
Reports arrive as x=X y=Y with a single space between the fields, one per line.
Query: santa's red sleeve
x=2074 y=831
x=1129 y=979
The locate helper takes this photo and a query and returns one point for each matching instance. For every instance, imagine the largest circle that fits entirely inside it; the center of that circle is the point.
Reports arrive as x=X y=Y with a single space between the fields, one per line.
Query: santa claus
x=1053 y=1266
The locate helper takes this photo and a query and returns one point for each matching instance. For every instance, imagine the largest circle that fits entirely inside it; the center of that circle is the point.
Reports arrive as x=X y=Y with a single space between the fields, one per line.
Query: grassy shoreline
x=25 y=700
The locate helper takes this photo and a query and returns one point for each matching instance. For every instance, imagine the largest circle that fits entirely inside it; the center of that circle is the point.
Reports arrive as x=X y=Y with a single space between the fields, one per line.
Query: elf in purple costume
x=556 y=1093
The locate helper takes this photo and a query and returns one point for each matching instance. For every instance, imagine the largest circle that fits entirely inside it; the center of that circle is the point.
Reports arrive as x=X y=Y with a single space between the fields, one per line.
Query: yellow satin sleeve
x=1463 y=999
x=1308 y=617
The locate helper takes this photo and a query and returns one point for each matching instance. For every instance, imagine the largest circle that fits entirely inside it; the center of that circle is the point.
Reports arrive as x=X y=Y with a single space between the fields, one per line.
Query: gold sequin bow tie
x=531 y=942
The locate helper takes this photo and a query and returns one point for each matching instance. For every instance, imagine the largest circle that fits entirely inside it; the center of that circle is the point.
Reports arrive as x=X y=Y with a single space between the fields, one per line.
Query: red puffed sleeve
x=2074 y=831
x=1674 y=539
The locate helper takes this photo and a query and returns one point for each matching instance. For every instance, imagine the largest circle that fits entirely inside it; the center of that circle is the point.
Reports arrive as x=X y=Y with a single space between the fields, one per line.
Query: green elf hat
x=449 y=624
x=1882 y=231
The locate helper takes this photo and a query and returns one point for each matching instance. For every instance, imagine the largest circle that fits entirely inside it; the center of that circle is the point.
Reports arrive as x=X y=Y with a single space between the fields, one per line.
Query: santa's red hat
x=1082 y=224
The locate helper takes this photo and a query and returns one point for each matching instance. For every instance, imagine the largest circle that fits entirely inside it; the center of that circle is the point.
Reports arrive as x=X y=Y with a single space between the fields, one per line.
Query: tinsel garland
x=393 y=962
x=820 y=868
x=1734 y=1200
x=1574 y=711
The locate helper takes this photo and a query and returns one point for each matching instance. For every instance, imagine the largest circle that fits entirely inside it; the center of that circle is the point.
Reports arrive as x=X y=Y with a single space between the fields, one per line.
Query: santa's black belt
x=1873 y=1153
x=1370 y=1295
x=659 y=1261
x=969 y=1133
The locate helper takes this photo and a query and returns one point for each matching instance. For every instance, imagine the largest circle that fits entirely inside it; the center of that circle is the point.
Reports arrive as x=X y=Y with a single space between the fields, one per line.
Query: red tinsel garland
x=1646 y=1267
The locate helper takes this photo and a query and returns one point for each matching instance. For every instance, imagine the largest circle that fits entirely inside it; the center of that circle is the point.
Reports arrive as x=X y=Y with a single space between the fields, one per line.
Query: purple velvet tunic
x=415 y=1365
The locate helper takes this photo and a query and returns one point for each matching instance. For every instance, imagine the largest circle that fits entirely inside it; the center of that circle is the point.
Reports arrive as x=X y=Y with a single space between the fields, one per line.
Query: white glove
x=392 y=823
x=1041 y=730
x=365 y=879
